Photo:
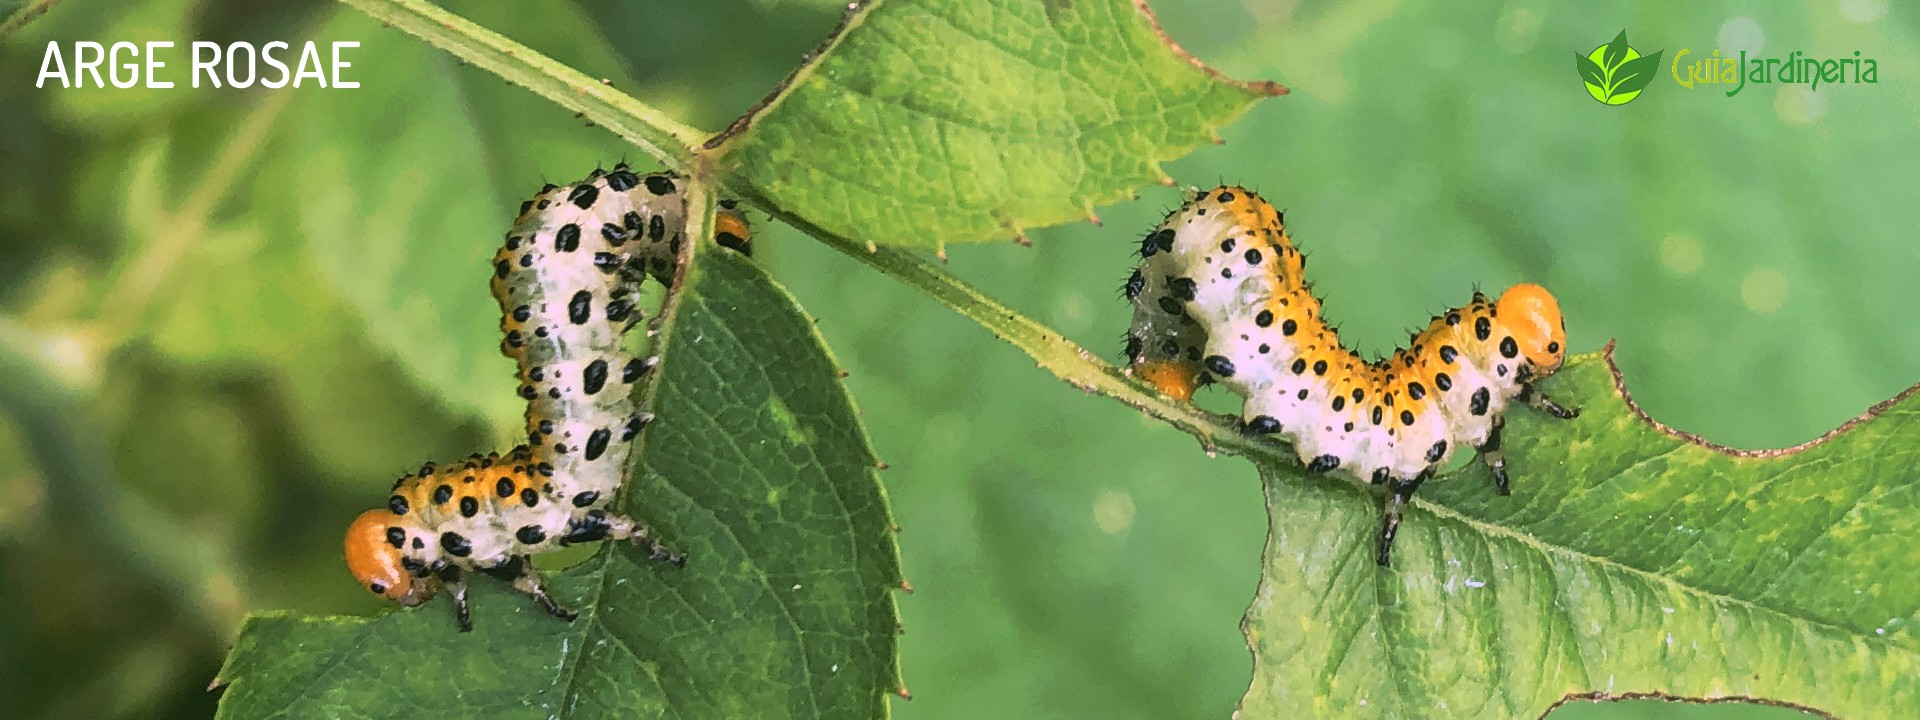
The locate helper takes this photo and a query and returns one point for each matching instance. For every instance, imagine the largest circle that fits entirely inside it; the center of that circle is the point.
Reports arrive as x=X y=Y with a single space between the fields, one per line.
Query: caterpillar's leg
x=1399 y=493
x=456 y=583
x=520 y=572
x=1495 y=458
x=598 y=525
x=642 y=537
x=1539 y=401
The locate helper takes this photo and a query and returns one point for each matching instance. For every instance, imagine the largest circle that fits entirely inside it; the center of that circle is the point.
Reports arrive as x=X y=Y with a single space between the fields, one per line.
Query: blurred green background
x=193 y=409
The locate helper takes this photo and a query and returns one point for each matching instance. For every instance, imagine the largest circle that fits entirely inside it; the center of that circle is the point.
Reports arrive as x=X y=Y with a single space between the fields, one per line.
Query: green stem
x=1056 y=354
x=649 y=129
x=24 y=15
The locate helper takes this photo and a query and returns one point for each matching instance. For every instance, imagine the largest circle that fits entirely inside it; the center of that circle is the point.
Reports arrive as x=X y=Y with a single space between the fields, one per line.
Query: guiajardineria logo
x=1616 y=73
x=1794 y=68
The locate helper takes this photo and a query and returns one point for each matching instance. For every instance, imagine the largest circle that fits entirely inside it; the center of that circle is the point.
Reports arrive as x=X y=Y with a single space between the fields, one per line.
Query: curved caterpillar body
x=1220 y=296
x=567 y=280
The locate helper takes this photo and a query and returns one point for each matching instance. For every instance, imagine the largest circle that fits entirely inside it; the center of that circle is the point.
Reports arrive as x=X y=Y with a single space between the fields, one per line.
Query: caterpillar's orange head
x=375 y=561
x=1533 y=316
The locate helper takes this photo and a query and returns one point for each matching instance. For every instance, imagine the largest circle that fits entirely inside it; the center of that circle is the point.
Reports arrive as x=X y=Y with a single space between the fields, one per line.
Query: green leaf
x=757 y=468
x=1629 y=559
x=1590 y=73
x=1616 y=52
x=927 y=122
x=1634 y=74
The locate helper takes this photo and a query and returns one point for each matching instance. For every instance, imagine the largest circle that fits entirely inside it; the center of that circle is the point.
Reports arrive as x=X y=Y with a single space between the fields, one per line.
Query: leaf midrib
x=1500 y=531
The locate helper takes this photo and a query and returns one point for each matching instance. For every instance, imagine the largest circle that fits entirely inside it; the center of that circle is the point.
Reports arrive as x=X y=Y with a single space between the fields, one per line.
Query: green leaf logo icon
x=1615 y=73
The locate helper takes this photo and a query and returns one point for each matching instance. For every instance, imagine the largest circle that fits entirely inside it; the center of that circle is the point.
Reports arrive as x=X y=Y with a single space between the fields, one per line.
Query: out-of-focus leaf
x=403 y=195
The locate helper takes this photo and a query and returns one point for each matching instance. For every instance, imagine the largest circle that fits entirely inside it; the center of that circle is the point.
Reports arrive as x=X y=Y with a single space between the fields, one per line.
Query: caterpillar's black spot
x=657 y=229
x=396 y=537
x=1164 y=240
x=1359 y=395
x=584 y=195
x=529 y=498
x=443 y=494
x=1303 y=394
x=397 y=505
x=1299 y=366
x=530 y=535
x=1264 y=319
x=1339 y=403
x=1184 y=288
x=456 y=544
x=1219 y=365
x=469 y=507
x=1263 y=425
x=1320 y=367
x=613 y=234
x=1226 y=197
x=522 y=314
x=1170 y=348
x=1378 y=414
x=1380 y=476
x=1482 y=328
x=619 y=310
x=1508 y=348
x=1447 y=354
x=1416 y=391
x=1289 y=327
x=606 y=262
x=1453 y=317
x=1553 y=347
x=1439 y=450
x=1136 y=283
x=528 y=393
x=1443 y=382
x=1134 y=346
x=1406 y=417
x=622 y=180
x=1478 y=403
x=1323 y=463
x=1226 y=246
x=634 y=425
x=594 y=377
x=566 y=239
x=597 y=443
x=586 y=499
x=1253 y=256
x=659 y=185
x=635 y=368
x=503 y=488
x=501 y=269
x=580 y=308
x=1169 y=305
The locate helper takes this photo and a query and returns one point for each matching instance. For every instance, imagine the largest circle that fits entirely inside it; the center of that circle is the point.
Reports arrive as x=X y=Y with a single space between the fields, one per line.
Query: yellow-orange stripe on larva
x=567 y=280
x=1221 y=296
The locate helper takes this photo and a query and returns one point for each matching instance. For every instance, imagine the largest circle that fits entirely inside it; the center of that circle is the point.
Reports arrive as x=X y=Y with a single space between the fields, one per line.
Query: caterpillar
x=567 y=281
x=1220 y=296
